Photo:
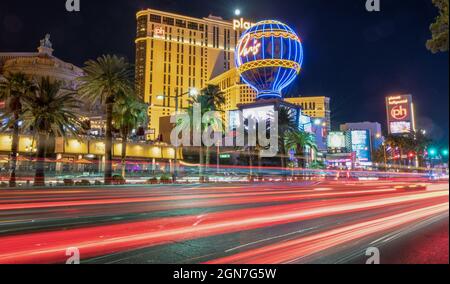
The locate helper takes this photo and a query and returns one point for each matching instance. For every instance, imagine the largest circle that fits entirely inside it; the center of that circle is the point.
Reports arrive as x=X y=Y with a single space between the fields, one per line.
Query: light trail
x=294 y=250
x=49 y=247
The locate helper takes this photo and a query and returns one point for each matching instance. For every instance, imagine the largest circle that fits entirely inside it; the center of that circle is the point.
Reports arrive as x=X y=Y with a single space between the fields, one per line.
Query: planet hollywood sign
x=241 y=24
x=399 y=107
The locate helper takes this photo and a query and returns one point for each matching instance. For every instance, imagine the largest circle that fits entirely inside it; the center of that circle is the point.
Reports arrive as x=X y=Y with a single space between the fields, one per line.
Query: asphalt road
x=326 y=222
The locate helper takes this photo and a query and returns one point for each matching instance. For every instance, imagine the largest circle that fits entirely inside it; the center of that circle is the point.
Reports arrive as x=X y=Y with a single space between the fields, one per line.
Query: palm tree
x=13 y=89
x=214 y=100
x=204 y=101
x=286 y=123
x=104 y=80
x=300 y=140
x=50 y=113
x=128 y=114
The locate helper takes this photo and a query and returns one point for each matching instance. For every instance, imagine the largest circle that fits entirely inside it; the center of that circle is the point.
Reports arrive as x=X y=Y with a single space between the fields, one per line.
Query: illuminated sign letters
x=399 y=112
x=158 y=32
x=241 y=24
x=249 y=46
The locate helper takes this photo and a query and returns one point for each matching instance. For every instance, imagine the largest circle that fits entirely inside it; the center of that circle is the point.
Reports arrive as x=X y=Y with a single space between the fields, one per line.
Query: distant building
x=43 y=63
x=315 y=107
x=374 y=129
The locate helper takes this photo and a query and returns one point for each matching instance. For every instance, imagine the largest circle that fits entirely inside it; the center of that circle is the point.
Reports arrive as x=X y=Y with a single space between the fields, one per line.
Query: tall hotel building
x=175 y=53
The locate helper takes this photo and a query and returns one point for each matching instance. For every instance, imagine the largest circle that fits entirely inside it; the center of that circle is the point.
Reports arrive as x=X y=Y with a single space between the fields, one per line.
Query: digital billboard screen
x=400 y=127
x=360 y=140
x=336 y=140
x=259 y=114
x=305 y=123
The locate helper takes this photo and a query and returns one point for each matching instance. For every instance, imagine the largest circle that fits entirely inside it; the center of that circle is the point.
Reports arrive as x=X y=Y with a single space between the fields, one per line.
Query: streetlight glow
x=193 y=92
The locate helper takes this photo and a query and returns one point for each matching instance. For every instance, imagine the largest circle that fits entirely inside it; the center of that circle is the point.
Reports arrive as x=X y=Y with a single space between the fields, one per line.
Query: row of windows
x=176 y=22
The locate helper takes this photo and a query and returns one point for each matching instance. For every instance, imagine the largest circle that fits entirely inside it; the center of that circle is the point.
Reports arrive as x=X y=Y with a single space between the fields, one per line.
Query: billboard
x=258 y=114
x=336 y=140
x=400 y=114
x=305 y=123
x=360 y=144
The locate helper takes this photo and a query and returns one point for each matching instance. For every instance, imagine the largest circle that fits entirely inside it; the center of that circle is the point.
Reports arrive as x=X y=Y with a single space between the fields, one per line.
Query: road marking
x=272 y=238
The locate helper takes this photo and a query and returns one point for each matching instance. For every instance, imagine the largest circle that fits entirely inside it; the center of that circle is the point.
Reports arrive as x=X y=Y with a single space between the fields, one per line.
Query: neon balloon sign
x=248 y=46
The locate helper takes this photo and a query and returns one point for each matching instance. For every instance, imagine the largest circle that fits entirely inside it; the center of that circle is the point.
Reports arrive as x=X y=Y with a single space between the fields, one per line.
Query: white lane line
x=269 y=239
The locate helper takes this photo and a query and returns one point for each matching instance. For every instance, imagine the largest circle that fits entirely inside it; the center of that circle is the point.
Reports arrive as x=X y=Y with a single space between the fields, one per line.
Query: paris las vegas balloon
x=269 y=57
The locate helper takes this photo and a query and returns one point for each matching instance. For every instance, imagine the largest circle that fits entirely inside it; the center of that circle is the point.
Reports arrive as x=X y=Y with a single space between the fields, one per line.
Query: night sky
x=353 y=56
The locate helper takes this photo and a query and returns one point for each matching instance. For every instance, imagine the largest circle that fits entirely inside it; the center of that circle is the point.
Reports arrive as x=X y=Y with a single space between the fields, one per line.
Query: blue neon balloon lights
x=269 y=57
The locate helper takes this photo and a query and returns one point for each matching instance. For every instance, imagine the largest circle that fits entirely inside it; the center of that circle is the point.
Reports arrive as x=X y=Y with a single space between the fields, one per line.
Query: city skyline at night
x=376 y=53
x=229 y=132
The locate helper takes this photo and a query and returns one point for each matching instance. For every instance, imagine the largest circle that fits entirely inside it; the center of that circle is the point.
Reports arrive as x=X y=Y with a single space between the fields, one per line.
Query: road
x=302 y=222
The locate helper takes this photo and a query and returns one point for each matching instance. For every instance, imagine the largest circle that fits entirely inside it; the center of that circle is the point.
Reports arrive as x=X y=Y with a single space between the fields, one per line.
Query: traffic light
x=411 y=155
x=445 y=152
x=432 y=152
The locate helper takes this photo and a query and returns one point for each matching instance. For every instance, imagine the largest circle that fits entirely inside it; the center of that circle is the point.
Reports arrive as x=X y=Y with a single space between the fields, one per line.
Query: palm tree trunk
x=108 y=144
x=250 y=161
x=39 y=177
x=259 y=161
x=124 y=151
x=14 y=149
x=282 y=153
x=207 y=156
x=200 y=166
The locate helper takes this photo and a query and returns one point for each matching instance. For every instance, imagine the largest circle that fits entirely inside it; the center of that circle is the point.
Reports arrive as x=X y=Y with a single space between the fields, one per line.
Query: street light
x=193 y=92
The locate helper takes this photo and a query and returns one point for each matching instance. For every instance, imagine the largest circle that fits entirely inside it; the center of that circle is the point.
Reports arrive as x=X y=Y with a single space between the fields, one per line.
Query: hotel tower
x=175 y=53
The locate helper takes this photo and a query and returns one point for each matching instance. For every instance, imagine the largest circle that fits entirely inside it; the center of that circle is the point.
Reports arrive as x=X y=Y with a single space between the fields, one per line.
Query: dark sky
x=353 y=56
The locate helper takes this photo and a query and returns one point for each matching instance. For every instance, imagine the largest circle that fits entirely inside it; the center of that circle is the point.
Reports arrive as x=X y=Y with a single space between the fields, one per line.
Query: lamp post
x=192 y=92
x=385 y=156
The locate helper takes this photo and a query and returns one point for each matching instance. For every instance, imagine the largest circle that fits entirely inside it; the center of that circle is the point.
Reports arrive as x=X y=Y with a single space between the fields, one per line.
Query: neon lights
x=239 y=24
x=270 y=63
x=269 y=57
x=399 y=112
x=247 y=46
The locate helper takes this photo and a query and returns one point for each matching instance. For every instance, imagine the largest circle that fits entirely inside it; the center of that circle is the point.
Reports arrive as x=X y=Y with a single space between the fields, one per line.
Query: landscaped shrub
x=68 y=182
x=153 y=180
x=118 y=180
x=84 y=182
x=165 y=179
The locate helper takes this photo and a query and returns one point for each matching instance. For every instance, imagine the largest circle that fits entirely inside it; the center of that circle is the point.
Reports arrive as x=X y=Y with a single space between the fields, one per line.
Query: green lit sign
x=225 y=156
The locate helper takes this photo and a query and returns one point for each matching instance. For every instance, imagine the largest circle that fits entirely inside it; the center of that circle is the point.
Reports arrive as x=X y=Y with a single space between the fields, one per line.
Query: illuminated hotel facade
x=174 y=54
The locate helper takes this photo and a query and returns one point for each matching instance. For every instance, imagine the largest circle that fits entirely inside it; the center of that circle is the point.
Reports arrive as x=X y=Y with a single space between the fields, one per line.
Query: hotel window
x=168 y=21
x=180 y=23
x=155 y=18
x=142 y=26
x=192 y=26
